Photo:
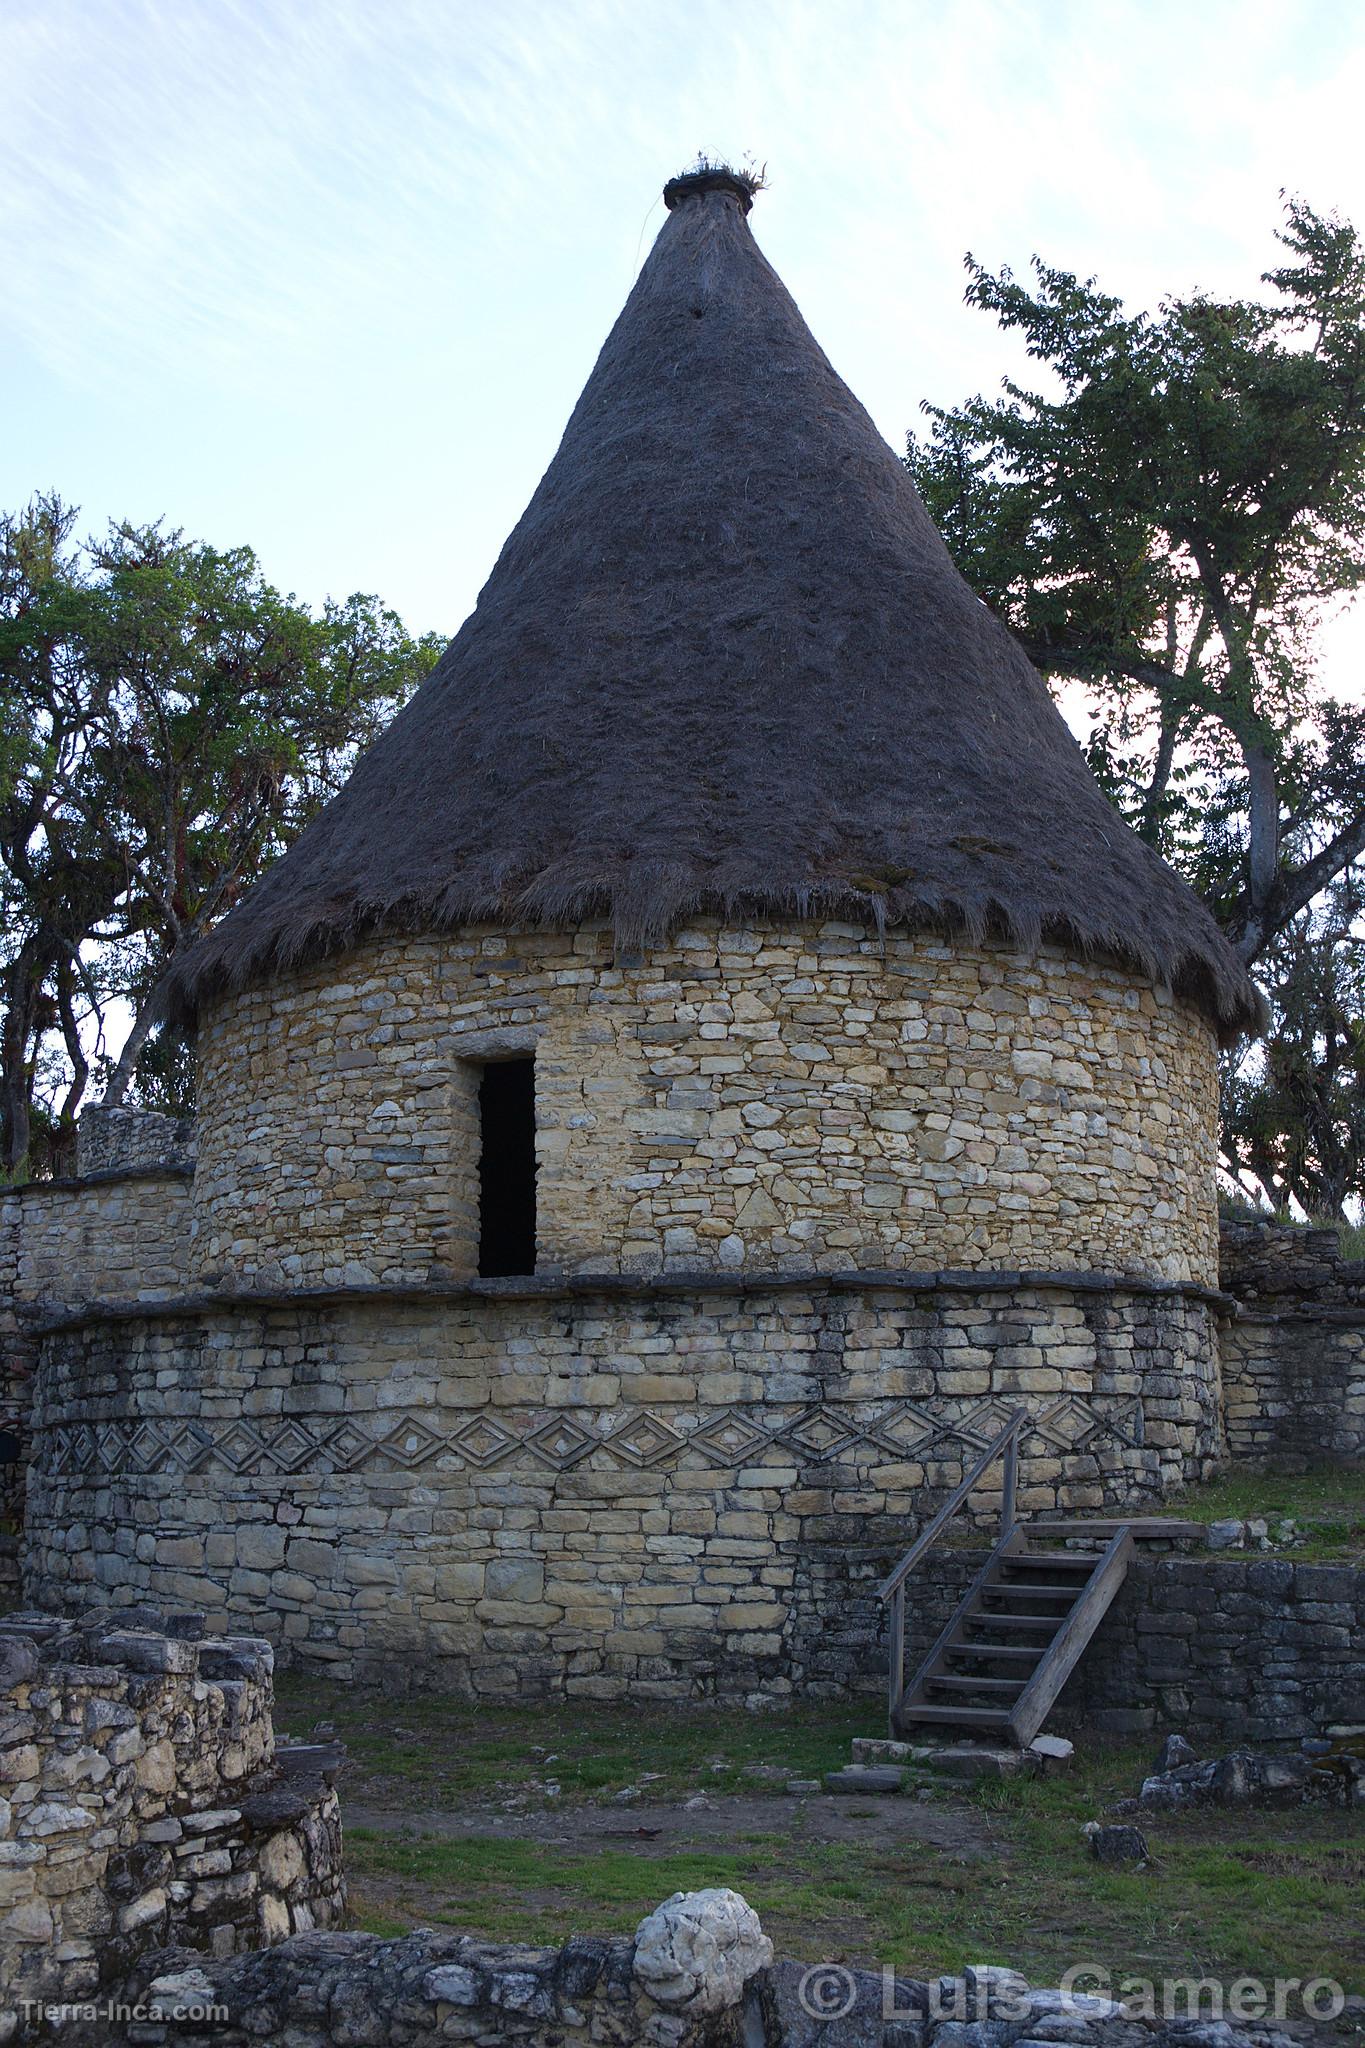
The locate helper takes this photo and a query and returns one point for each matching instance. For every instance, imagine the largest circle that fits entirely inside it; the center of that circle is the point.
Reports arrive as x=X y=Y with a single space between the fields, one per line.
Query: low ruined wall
x=1293 y=1351
x=599 y=1492
x=143 y=1803
x=1221 y=1649
x=1294 y=1386
x=1237 y=1650
x=684 y=1982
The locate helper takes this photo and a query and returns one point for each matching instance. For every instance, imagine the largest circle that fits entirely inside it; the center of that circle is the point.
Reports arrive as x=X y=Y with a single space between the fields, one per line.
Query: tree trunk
x=1263 y=852
x=23 y=982
x=127 y=1060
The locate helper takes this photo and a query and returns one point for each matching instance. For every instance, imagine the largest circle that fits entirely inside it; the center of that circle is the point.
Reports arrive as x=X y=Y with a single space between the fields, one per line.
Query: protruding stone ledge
x=42 y=1319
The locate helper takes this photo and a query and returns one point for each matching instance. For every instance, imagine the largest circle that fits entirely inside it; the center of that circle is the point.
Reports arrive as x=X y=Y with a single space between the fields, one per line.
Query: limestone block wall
x=756 y=1098
x=123 y=1233
x=124 y=1140
x=120 y=1236
x=1294 y=1386
x=1293 y=1348
x=615 y=1488
x=140 y=1803
x=429 y=1989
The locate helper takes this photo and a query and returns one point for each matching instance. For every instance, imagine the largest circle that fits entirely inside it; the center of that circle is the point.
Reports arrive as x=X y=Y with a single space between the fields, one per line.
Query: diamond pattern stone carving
x=983 y=1424
x=109 y=1448
x=645 y=1440
x=825 y=1433
x=347 y=1447
x=1067 y=1425
x=1122 y=1426
x=820 y=1433
x=483 y=1440
x=902 y=1431
x=190 y=1445
x=729 y=1438
x=146 y=1448
x=292 y=1447
x=410 y=1442
x=238 y=1447
x=561 y=1442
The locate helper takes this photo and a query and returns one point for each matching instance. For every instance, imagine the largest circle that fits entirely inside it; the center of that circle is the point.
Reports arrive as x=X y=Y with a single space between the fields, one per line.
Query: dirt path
x=663 y=1829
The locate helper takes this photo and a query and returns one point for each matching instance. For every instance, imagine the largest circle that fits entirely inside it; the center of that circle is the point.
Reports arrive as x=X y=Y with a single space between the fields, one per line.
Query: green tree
x=171 y=722
x=1167 y=523
x=1294 y=1108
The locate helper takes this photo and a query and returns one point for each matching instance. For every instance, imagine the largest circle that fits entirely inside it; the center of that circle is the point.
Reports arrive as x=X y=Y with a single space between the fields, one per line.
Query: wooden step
x=959 y=1717
x=1015 y=1589
x=992 y=1617
x=1142 y=1528
x=1028 y=1675
x=1054 y=1560
x=968 y=1684
x=1015 y=1652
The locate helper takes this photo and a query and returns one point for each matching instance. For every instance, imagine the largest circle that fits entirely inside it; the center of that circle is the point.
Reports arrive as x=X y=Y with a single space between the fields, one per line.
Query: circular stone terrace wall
x=602 y=1487
x=742 y=1099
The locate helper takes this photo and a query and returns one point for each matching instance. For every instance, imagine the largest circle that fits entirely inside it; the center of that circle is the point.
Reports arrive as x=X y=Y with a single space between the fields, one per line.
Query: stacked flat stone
x=143 y=1802
x=428 y=1989
x=761 y=1097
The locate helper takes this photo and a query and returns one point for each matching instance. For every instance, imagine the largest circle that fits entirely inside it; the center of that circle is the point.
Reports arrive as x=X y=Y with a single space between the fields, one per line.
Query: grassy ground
x=455 y=1823
x=1327 y=1504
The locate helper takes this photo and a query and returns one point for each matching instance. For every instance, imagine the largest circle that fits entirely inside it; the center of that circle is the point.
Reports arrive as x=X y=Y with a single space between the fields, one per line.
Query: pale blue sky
x=327 y=275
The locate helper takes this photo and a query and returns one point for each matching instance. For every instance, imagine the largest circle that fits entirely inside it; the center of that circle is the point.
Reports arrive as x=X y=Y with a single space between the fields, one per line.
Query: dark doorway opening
x=507 y=1168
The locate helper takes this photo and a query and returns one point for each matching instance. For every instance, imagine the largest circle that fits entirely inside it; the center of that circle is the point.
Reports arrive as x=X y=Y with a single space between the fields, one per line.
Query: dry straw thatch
x=725 y=664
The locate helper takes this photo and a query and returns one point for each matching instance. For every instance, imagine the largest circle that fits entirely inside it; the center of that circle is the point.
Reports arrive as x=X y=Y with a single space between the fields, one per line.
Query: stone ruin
x=144 y=1802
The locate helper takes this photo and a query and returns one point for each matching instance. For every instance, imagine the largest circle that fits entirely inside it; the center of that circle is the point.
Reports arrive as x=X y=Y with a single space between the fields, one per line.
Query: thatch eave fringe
x=979 y=920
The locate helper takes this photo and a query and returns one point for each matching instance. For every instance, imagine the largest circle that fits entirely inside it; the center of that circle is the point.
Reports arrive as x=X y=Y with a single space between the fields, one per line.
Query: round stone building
x=717 y=1057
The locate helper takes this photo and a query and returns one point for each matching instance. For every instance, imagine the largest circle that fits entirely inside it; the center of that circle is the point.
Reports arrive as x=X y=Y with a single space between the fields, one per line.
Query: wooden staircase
x=1016 y=1638
x=1023 y=1623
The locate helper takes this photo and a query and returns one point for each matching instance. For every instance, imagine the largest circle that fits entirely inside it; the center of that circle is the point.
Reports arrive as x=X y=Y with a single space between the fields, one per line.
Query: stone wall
x=121 y=1140
x=124 y=1233
x=1293 y=1349
x=692 y=1978
x=696 y=1975
x=119 y=1236
x=1230 y=1650
x=142 y=1804
x=757 y=1098
x=618 y=1488
x=1221 y=1649
x=1294 y=1387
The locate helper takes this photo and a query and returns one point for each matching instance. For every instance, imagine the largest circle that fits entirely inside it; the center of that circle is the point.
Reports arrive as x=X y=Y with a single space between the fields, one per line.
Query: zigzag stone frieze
x=562 y=1439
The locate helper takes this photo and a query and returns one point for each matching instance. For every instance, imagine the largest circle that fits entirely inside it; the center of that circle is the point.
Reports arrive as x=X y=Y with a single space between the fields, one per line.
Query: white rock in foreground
x=699 y=1949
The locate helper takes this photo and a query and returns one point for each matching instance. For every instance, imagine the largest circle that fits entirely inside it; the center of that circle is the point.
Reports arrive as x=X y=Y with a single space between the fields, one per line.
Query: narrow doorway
x=507 y=1168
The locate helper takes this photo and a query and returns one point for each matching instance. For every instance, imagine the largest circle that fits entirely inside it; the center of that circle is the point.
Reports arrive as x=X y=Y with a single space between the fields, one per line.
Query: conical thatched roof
x=725 y=663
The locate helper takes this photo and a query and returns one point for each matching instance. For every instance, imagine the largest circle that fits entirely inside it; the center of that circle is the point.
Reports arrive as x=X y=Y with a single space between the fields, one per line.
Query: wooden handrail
x=892 y=1587
x=1008 y=1439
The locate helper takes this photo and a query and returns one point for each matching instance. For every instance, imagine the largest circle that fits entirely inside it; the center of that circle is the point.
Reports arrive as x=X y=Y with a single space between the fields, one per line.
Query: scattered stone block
x=1117 y=1846
x=866 y=1778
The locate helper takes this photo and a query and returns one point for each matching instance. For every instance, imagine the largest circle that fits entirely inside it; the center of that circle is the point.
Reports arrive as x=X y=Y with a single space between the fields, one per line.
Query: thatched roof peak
x=707 y=177
x=724 y=664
